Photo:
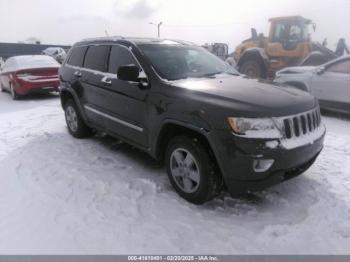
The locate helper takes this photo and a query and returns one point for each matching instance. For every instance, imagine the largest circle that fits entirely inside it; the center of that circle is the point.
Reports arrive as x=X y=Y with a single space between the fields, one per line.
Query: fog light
x=262 y=165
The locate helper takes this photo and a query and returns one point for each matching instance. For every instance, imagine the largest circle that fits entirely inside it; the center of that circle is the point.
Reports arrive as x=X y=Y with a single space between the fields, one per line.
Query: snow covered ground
x=59 y=195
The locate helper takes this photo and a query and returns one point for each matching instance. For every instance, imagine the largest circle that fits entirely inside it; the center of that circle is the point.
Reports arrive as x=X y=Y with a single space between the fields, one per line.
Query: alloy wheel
x=185 y=171
x=72 y=118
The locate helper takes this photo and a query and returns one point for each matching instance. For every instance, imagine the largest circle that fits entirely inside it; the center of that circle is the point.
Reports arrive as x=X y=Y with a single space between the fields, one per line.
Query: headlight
x=255 y=127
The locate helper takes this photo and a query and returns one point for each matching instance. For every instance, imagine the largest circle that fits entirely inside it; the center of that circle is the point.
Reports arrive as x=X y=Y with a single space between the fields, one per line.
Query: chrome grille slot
x=296 y=126
x=287 y=128
x=309 y=120
x=314 y=119
x=301 y=124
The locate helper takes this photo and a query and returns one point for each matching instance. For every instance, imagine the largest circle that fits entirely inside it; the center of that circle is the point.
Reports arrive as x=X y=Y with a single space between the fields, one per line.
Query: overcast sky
x=199 y=21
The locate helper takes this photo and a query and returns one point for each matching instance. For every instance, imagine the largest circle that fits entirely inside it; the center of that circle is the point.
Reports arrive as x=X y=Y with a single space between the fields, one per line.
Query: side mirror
x=320 y=70
x=129 y=73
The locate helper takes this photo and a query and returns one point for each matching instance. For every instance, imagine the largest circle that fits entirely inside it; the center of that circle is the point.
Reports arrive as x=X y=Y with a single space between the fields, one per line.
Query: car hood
x=250 y=97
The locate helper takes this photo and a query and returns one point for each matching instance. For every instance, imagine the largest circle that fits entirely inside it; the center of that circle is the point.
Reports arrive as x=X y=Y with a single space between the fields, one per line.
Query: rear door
x=332 y=87
x=92 y=74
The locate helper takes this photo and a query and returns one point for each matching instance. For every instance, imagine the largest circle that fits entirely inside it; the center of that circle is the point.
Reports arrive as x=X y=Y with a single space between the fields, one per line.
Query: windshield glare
x=174 y=62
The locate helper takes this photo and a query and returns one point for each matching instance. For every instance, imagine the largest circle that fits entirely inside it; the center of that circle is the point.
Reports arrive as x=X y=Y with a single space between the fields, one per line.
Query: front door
x=332 y=87
x=124 y=101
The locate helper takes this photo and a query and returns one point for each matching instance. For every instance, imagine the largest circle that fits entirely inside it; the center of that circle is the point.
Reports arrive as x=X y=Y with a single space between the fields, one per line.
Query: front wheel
x=191 y=169
x=75 y=123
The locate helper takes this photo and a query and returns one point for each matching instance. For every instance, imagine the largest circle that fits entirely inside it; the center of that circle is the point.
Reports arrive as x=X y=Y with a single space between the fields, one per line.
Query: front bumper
x=236 y=157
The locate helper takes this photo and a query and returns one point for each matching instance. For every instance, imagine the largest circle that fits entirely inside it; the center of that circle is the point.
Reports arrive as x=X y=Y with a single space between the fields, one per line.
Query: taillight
x=24 y=76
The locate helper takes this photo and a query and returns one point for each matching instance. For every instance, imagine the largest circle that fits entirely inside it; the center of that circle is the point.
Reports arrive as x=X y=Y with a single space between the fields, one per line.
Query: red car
x=21 y=75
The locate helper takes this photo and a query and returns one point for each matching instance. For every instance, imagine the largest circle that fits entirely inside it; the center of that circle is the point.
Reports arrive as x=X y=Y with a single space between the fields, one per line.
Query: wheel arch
x=65 y=95
x=172 y=128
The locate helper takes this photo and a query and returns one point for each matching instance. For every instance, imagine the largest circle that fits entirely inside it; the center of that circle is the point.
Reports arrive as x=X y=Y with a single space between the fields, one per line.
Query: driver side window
x=120 y=56
x=341 y=67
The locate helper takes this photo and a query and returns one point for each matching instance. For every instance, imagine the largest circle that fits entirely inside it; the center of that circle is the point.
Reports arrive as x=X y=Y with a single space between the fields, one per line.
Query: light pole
x=158 y=27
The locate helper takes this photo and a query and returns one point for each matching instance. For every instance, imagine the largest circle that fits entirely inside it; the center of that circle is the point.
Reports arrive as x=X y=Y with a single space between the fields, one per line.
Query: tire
x=253 y=69
x=14 y=95
x=1 y=89
x=191 y=169
x=75 y=123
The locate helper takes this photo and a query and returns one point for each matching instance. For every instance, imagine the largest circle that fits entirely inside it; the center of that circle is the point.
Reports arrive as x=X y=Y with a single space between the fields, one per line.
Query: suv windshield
x=174 y=62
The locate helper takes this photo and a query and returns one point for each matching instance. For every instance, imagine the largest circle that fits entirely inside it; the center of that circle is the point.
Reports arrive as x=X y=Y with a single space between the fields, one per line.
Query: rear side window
x=96 y=58
x=341 y=67
x=120 y=56
x=77 y=56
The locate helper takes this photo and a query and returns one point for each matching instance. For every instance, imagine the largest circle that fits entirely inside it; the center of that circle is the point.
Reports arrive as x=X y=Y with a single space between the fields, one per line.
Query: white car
x=57 y=53
x=330 y=82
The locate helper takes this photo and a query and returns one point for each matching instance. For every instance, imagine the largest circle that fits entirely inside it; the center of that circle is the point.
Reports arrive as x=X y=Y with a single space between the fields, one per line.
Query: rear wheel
x=75 y=122
x=252 y=69
x=1 y=89
x=192 y=171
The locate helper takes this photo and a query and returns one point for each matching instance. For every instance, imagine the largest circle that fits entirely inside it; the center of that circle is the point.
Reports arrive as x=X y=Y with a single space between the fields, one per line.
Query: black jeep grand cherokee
x=212 y=127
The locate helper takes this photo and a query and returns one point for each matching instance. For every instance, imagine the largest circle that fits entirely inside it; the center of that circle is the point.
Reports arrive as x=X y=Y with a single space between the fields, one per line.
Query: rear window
x=9 y=65
x=77 y=56
x=36 y=61
x=26 y=62
x=341 y=67
x=96 y=58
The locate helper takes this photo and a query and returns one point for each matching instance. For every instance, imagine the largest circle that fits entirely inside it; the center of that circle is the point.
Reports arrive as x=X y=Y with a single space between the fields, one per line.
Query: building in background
x=14 y=49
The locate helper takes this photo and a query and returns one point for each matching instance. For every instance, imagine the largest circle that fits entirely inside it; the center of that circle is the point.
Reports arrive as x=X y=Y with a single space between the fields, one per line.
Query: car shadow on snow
x=40 y=96
x=34 y=96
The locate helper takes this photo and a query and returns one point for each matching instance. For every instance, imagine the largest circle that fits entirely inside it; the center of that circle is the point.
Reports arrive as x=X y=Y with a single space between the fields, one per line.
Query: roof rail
x=183 y=42
x=109 y=38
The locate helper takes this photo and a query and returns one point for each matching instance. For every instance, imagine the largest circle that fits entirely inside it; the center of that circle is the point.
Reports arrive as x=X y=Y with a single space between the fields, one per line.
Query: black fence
x=14 y=49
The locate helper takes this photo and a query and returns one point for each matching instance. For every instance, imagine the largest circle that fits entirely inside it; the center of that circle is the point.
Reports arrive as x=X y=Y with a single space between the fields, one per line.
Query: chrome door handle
x=78 y=74
x=106 y=81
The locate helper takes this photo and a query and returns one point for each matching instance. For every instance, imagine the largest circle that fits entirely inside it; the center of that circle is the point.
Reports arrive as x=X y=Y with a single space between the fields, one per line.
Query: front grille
x=301 y=124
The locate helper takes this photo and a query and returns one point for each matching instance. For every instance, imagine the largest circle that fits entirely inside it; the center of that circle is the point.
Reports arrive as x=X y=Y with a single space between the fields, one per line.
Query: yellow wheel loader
x=288 y=44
